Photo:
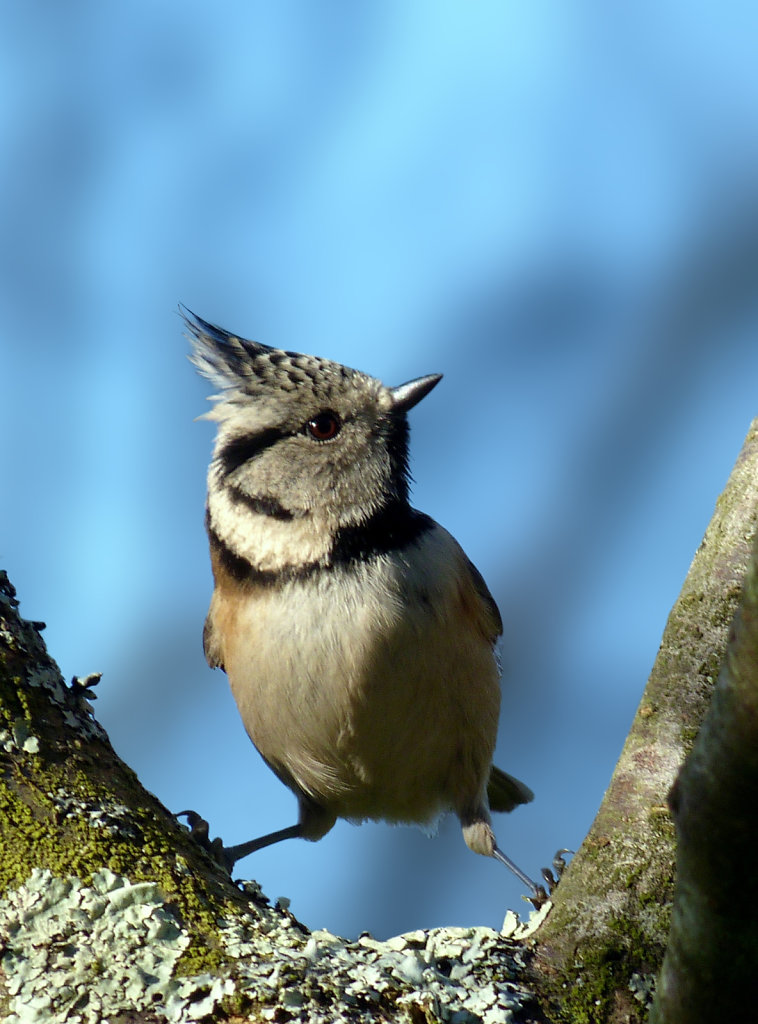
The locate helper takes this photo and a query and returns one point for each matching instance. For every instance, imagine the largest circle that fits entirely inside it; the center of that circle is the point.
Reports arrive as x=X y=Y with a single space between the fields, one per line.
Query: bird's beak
x=405 y=396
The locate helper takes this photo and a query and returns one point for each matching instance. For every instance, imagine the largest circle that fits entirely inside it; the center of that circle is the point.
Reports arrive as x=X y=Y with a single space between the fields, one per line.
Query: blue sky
x=555 y=205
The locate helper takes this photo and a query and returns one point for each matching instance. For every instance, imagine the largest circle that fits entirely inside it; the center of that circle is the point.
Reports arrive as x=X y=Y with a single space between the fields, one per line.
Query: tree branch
x=608 y=930
x=710 y=972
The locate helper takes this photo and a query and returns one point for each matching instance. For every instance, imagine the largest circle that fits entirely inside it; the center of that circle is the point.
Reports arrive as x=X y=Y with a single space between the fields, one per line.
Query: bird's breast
x=368 y=684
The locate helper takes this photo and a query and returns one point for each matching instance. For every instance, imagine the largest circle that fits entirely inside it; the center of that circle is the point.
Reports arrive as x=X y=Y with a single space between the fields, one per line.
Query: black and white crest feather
x=223 y=358
x=243 y=369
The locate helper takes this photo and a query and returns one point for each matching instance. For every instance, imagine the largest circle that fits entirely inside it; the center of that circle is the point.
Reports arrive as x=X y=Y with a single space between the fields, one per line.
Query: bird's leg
x=498 y=854
x=232 y=854
x=479 y=837
x=538 y=896
x=227 y=856
x=314 y=823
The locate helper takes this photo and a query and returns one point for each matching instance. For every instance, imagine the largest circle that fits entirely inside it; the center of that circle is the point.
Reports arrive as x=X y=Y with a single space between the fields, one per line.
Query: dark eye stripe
x=241 y=449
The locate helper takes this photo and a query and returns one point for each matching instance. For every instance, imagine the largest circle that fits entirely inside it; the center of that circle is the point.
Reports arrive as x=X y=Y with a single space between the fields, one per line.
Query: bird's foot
x=227 y=856
x=200 y=832
x=559 y=866
x=539 y=897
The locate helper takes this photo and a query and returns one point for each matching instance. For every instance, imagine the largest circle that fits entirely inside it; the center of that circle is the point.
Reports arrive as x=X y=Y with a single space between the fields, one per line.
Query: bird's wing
x=210 y=644
x=492 y=622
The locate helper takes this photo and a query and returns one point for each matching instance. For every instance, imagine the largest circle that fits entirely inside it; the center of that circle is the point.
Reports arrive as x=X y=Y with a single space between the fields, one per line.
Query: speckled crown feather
x=244 y=369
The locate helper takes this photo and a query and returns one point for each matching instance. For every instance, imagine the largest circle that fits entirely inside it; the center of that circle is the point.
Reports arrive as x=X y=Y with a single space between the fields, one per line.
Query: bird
x=358 y=638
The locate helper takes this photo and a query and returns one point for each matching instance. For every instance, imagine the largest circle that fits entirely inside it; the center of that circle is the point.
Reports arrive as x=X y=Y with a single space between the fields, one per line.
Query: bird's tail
x=504 y=792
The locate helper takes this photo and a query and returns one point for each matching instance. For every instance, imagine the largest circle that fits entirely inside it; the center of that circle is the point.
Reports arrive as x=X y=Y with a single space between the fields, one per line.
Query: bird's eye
x=324 y=426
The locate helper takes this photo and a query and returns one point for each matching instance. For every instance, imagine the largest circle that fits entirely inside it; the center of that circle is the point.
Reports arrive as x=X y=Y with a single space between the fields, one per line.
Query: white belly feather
x=357 y=685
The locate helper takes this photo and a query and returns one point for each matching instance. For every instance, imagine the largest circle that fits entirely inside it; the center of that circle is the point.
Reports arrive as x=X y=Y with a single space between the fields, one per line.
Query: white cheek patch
x=268 y=543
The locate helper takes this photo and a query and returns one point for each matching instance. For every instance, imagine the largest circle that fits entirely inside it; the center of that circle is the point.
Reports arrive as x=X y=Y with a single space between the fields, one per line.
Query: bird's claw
x=200 y=832
x=539 y=896
x=559 y=865
x=559 y=862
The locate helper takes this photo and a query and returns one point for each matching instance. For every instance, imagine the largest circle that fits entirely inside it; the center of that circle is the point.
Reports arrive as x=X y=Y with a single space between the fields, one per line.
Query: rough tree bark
x=605 y=938
x=710 y=971
x=110 y=910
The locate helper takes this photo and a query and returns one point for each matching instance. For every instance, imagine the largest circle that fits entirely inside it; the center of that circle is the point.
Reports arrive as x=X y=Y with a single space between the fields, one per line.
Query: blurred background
x=553 y=204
